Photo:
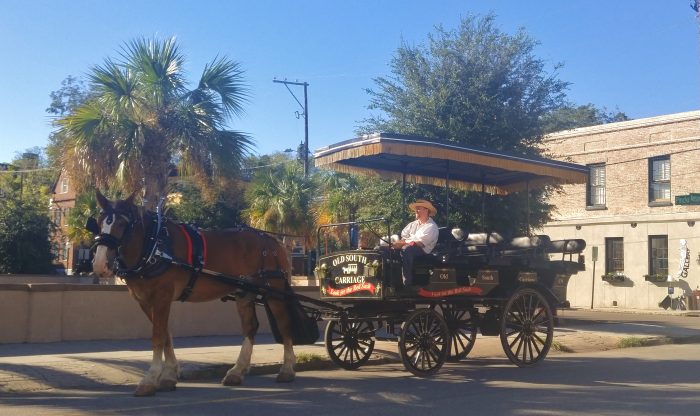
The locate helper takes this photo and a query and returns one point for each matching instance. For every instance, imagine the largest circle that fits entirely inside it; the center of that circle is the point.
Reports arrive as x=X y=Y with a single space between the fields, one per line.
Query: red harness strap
x=196 y=249
x=189 y=244
x=204 y=248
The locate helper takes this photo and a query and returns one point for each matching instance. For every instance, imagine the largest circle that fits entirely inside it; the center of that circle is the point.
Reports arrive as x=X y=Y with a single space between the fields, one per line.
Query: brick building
x=638 y=212
x=67 y=257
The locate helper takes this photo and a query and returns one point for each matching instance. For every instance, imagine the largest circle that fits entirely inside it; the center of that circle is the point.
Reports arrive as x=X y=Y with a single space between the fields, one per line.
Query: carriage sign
x=350 y=275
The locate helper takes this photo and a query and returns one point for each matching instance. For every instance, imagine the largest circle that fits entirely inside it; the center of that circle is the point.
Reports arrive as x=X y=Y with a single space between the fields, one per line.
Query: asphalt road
x=660 y=380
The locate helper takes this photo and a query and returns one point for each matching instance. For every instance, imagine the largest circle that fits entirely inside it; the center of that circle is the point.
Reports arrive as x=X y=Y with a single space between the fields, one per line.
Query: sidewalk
x=28 y=368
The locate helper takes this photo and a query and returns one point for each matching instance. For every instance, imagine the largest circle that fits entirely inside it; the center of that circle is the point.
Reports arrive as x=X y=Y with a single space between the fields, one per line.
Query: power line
x=25 y=170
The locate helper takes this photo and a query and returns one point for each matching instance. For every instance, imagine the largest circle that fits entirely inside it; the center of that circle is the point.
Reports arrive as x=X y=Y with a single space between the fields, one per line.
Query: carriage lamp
x=321 y=271
x=372 y=268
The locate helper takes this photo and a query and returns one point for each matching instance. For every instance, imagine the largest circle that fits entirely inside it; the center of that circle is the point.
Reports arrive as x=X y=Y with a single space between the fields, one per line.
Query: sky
x=637 y=56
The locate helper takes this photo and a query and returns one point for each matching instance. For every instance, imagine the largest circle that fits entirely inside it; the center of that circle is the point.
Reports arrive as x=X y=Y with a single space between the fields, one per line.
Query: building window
x=64 y=186
x=660 y=179
x=55 y=251
x=66 y=212
x=57 y=217
x=658 y=255
x=596 y=187
x=614 y=255
x=66 y=251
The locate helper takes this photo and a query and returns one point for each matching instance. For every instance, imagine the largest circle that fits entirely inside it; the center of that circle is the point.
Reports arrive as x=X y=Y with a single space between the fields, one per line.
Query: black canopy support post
x=527 y=189
x=483 y=202
x=447 y=194
x=403 y=184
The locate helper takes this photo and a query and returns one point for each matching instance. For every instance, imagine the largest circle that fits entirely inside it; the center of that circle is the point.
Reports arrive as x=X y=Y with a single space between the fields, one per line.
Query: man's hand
x=402 y=243
x=399 y=244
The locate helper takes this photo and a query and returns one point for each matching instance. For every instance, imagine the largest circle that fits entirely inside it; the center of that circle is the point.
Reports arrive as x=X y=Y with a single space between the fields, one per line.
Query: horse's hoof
x=145 y=390
x=232 y=380
x=167 y=385
x=285 y=378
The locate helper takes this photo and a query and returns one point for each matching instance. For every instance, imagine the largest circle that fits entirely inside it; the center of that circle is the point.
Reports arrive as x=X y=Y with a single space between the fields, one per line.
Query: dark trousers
x=408 y=254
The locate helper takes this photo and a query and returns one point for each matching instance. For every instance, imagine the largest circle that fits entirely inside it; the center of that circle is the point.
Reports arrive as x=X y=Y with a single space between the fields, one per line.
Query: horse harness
x=157 y=255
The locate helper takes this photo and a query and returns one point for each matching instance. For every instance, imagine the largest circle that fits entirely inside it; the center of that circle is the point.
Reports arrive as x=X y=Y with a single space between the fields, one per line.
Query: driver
x=418 y=238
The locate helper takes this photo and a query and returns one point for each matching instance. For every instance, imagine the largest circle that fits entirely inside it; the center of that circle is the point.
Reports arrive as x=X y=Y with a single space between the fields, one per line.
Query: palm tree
x=340 y=197
x=281 y=199
x=140 y=119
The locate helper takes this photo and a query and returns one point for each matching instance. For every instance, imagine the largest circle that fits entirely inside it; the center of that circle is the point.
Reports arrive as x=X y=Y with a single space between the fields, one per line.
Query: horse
x=133 y=243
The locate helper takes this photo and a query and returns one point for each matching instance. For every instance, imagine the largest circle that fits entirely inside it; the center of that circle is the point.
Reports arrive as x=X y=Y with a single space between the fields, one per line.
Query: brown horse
x=124 y=234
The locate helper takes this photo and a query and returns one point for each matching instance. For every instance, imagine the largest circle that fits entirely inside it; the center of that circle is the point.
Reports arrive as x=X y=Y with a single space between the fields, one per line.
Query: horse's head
x=113 y=229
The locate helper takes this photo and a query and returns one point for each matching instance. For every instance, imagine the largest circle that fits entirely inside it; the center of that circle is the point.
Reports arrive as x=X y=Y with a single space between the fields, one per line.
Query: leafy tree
x=85 y=207
x=72 y=94
x=475 y=86
x=139 y=118
x=186 y=204
x=28 y=178
x=24 y=237
x=571 y=117
x=24 y=220
x=351 y=197
x=280 y=199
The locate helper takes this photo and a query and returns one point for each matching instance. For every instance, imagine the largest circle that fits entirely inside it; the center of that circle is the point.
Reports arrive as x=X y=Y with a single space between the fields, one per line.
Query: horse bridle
x=109 y=240
x=150 y=260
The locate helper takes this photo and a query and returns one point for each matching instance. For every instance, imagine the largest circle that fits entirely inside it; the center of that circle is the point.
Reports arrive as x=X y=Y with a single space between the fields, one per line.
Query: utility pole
x=305 y=113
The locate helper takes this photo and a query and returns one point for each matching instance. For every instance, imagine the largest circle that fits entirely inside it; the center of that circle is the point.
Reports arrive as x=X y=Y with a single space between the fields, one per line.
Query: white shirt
x=426 y=233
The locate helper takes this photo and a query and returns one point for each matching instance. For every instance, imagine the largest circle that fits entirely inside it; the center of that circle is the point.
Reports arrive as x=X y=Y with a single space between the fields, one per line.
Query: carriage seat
x=526 y=246
x=475 y=239
x=480 y=243
x=566 y=246
x=447 y=240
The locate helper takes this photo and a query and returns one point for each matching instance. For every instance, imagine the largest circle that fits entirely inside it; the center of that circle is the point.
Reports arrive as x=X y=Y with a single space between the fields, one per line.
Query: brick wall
x=625 y=149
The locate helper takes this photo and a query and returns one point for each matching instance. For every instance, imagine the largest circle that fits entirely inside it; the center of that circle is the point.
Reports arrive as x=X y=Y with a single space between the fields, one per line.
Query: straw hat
x=425 y=204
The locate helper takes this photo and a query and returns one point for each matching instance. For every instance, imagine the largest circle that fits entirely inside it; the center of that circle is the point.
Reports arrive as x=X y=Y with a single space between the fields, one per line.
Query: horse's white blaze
x=99 y=262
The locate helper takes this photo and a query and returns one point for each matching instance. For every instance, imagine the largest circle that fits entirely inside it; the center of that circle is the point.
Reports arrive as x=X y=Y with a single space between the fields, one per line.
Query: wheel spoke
x=349 y=344
x=526 y=331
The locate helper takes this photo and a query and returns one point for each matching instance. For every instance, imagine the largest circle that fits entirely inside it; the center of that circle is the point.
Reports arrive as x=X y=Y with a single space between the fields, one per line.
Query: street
x=661 y=380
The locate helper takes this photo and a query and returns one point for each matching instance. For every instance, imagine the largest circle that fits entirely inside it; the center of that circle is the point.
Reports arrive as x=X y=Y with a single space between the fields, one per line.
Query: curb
x=323 y=363
x=219 y=370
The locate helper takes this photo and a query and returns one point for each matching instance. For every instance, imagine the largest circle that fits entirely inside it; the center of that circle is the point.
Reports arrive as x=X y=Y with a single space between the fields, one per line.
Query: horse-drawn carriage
x=470 y=282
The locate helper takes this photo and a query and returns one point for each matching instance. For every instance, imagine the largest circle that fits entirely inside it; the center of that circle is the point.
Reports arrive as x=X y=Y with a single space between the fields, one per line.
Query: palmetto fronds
x=141 y=118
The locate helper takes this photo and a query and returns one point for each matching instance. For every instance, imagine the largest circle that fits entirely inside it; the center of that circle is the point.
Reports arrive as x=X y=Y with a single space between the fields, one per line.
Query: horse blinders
x=92 y=226
x=109 y=217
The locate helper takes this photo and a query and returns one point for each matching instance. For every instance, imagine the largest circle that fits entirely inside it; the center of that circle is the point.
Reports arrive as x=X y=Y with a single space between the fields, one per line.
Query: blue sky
x=639 y=56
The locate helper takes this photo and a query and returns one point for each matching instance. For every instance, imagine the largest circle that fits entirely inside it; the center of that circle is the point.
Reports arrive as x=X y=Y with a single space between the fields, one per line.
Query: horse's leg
x=158 y=313
x=249 y=326
x=168 y=376
x=279 y=310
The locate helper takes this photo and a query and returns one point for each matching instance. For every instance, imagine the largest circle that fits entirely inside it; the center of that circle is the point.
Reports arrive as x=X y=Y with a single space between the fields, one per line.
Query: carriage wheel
x=462 y=327
x=527 y=327
x=424 y=342
x=349 y=344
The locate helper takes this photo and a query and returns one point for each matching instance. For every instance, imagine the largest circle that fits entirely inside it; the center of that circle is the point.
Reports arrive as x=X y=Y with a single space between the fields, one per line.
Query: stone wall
x=53 y=312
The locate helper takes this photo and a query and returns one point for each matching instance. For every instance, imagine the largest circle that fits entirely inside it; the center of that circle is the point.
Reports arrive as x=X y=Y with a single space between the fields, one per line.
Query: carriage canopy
x=429 y=162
